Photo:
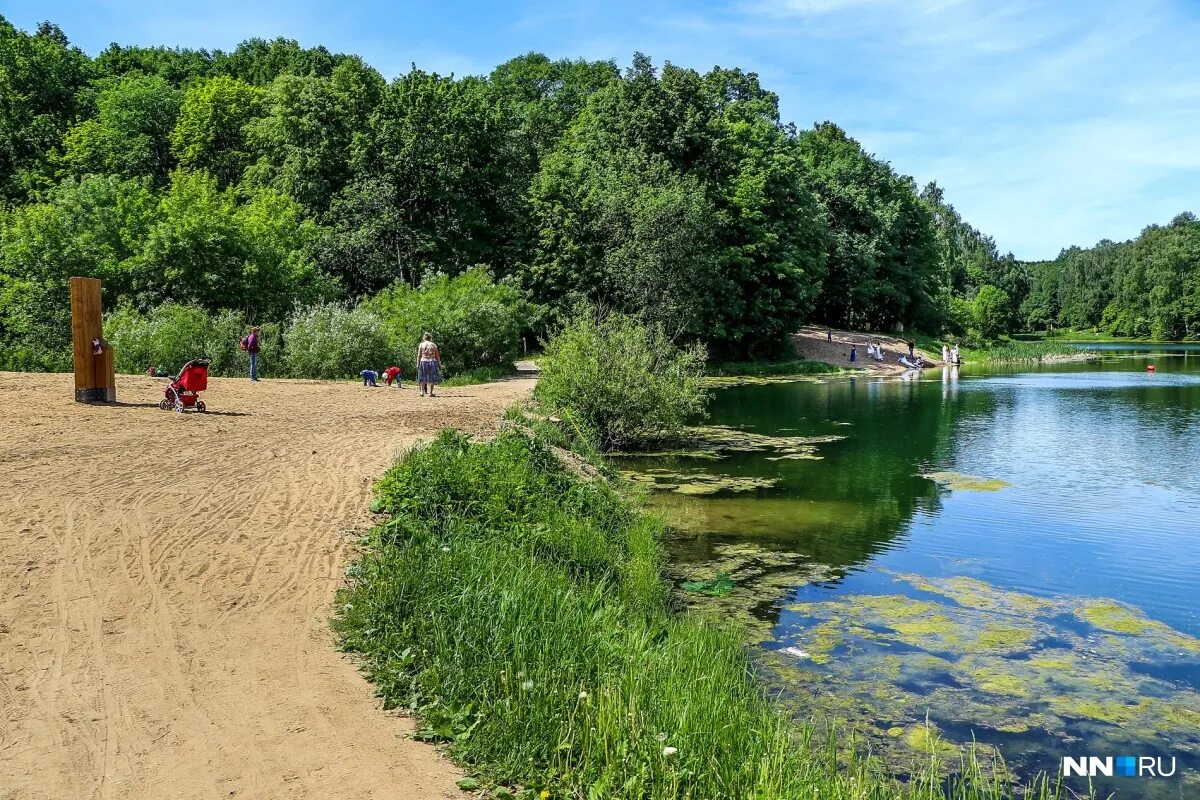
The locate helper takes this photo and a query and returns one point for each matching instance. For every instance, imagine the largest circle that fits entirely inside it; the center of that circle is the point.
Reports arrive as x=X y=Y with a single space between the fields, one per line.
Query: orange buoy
x=1150 y=368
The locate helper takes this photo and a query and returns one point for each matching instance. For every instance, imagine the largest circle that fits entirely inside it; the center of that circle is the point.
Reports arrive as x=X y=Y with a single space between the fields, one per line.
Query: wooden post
x=94 y=372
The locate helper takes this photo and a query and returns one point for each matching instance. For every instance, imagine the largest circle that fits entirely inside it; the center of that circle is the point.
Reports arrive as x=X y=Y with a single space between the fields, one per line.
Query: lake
x=1006 y=555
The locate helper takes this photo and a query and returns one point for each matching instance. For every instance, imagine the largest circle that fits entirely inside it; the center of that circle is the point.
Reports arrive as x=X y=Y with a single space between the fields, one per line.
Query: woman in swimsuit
x=429 y=365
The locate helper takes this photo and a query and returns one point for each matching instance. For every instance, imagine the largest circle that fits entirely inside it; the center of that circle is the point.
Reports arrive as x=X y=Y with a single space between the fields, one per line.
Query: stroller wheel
x=200 y=406
x=179 y=406
x=164 y=404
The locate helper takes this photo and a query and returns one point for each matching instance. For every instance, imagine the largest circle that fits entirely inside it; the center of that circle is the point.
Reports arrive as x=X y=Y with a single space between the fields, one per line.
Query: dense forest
x=274 y=178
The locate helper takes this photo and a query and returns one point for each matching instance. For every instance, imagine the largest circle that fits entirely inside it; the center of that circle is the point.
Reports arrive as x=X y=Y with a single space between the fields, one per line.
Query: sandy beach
x=166 y=582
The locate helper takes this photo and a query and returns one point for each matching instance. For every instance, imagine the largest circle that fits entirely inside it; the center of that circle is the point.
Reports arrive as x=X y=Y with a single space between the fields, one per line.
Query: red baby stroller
x=184 y=391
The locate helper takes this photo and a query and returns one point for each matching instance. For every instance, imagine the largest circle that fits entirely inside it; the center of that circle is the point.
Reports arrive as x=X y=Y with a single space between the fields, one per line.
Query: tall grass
x=518 y=609
x=1006 y=350
x=771 y=368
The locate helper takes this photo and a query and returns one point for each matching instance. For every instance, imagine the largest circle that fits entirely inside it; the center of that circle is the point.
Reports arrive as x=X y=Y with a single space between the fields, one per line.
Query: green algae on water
x=697 y=483
x=988 y=660
x=1110 y=615
x=968 y=483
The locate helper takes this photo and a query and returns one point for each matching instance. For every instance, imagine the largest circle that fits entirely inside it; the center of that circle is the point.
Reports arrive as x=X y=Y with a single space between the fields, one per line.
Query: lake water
x=1010 y=554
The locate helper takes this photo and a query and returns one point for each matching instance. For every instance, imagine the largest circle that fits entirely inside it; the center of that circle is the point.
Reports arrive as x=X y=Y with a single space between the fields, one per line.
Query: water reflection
x=1104 y=503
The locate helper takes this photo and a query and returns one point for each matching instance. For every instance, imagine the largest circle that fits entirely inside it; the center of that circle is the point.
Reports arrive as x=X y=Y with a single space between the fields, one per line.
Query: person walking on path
x=252 y=347
x=429 y=365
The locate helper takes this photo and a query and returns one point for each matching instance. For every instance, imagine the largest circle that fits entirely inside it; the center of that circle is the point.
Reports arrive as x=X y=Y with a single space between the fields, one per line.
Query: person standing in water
x=429 y=365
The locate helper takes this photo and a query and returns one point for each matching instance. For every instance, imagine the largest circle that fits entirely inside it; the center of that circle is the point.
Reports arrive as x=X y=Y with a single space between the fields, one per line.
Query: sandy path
x=812 y=343
x=165 y=585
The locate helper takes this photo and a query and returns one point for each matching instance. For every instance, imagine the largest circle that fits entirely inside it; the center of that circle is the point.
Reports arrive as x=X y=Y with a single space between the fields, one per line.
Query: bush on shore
x=333 y=341
x=477 y=324
x=475 y=321
x=623 y=379
x=173 y=334
x=519 y=610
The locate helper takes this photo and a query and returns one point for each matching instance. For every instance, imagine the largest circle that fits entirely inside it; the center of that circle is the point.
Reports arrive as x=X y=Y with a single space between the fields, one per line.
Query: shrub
x=475 y=321
x=333 y=341
x=623 y=379
x=172 y=334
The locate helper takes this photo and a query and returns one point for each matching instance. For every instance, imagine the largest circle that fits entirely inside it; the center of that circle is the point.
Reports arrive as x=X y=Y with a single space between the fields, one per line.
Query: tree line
x=275 y=176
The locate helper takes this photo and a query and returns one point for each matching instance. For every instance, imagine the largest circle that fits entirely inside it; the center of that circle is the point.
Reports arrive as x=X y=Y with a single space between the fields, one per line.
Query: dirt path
x=166 y=581
x=813 y=344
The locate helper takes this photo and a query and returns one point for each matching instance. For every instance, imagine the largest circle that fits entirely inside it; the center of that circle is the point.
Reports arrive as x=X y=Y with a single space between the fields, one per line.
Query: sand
x=166 y=582
x=812 y=343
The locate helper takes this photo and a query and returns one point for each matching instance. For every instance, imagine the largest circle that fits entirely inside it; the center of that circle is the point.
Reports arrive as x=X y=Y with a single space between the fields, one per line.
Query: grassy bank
x=517 y=606
x=771 y=368
x=1009 y=351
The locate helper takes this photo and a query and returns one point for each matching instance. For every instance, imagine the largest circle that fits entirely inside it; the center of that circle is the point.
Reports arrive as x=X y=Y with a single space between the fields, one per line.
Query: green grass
x=771 y=368
x=1090 y=336
x=519 y=610
x=1005 y=350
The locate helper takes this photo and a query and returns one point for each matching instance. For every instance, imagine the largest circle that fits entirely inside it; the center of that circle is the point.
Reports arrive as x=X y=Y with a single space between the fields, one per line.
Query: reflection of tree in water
x=861 y=496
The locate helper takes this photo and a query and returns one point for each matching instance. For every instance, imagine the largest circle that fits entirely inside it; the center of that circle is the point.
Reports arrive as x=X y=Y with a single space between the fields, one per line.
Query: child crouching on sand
x=390 y=374
x=369 y=376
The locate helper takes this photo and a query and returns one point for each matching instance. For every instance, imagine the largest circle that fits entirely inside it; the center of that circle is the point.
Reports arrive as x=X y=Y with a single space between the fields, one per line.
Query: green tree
x=635 y=237
x=883 y=259
x=130 y=136
x=211 y=132
x=440 y=144
x=178 y=66
x=714 y=139
x=41 y=77
x=990 y=311
x=259 y=62
x=93 y=227
x=1041 y=309
x=212 y=252
x=309 y=130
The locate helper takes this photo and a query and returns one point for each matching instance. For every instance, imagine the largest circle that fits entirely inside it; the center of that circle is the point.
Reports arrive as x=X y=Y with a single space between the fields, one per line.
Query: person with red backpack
x=250 y=344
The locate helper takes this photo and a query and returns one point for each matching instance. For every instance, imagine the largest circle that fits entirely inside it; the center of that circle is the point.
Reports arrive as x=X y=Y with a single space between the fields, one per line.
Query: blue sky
x=1047 y=123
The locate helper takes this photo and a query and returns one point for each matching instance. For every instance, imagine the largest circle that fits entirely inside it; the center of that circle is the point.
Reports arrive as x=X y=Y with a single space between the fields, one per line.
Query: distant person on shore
x=879 y=351
x=912 y=350
x=945 y=353
x=251 y=345
x=829 y=335
x=429 y=365
x=954 y=354
x=853 y=354
x=390 y=374
x=369 y=376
